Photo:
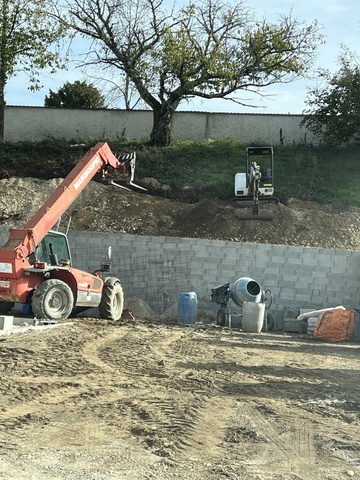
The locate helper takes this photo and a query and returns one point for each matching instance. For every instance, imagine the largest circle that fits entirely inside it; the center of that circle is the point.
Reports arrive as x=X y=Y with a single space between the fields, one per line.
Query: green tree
x=207 y=49
x=75 y=95
x=29 y=42
x=333 y=110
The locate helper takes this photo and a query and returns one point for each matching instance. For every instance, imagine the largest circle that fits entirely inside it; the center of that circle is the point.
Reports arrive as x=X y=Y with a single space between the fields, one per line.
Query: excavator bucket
x=255 y=214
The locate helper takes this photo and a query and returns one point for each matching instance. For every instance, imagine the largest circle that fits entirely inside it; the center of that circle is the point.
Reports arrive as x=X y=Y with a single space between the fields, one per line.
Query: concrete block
x=294 y=261
x=319 y=284
x=273 y=272
x=22 y=321
x=291 y=325
x=302 y=298
x=6 y=324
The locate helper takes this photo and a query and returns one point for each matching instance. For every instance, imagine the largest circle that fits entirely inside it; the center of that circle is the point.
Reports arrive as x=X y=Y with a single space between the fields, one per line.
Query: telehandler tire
x=53 y=300
x=112 y=300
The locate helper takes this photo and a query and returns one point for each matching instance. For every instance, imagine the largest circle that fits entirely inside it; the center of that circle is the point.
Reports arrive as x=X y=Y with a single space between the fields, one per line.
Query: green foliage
x=27 y=34
x=208 y=165
x=300 y=174
x=29 y=42
x=75 y=95
x=46 y=159
x=333 y=113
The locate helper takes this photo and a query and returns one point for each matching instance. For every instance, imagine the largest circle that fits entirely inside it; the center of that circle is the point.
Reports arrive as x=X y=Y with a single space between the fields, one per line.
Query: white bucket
x=253 y=315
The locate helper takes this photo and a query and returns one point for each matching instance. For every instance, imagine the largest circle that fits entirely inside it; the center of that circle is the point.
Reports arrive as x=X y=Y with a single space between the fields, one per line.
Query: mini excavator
x=257 y=184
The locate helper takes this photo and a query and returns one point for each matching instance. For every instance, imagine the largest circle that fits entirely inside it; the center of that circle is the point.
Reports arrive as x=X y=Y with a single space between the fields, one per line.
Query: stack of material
x=291 y=322
x=311 y=325
x=356 y=334
x=294 y=325
x=6 y=324
x=335 y=325
x=311 y=317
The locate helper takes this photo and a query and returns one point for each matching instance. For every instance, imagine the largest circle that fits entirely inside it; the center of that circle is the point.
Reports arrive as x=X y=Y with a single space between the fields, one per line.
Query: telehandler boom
x=35 y=262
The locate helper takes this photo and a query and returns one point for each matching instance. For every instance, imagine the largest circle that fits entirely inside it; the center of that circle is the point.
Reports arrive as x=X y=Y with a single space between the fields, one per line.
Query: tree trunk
x=2 y=113
x=162 y=123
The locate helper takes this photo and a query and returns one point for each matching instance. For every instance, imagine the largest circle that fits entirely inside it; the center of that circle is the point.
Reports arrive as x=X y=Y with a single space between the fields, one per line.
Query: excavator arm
x=100 y=158
x=254 y=181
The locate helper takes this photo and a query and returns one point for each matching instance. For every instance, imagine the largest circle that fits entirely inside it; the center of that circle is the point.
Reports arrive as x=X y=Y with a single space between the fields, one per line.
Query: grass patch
x=304 y=172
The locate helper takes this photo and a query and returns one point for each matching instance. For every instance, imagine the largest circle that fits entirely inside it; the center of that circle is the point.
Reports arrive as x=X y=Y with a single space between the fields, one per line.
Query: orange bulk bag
x=335 y=326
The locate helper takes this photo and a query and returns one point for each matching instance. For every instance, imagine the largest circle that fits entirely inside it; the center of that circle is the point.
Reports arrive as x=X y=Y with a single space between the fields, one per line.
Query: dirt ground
x=148 y=400
x=155 y=400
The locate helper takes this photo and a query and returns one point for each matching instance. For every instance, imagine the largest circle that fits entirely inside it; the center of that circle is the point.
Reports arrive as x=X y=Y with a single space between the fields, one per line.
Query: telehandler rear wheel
x=53 y=299
x=112 y=299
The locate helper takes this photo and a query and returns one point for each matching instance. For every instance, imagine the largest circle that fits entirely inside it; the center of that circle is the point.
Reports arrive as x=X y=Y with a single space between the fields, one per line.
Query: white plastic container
x=253 y=316
x=311 y=325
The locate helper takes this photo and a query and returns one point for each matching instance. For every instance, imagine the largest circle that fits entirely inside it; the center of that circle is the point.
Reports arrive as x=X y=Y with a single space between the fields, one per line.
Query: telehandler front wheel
x=53 y=300
x=112 y=300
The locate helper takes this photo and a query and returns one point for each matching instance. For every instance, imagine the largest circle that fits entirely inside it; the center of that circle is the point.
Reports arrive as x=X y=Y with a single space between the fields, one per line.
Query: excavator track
x=244 y=202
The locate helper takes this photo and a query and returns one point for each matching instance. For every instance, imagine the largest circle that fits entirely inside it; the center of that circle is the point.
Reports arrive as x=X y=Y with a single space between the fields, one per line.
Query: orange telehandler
x=35 y=262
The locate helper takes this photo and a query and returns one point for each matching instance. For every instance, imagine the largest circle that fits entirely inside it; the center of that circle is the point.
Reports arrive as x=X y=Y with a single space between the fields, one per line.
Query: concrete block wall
x=157 y=269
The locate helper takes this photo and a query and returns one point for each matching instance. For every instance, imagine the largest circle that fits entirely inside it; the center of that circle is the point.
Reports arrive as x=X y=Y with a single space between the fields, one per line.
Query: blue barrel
x=187 y=308
x=26 y=309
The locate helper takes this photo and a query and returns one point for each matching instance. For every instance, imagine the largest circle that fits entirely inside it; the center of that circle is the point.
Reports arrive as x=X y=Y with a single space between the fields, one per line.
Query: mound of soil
x=107 y=208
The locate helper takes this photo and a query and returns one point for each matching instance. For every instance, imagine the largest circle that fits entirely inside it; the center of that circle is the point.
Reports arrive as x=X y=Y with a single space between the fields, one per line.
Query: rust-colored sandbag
x=335 y=326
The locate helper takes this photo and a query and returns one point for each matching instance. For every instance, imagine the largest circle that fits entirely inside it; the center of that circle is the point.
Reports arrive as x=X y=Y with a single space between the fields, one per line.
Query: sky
x=340 y=25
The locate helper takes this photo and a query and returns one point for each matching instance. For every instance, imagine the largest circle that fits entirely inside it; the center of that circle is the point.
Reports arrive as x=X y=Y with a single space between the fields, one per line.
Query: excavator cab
x=263 y=159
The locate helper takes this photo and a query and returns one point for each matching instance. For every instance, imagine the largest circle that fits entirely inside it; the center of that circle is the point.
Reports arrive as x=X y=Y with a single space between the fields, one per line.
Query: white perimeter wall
x=39 y=123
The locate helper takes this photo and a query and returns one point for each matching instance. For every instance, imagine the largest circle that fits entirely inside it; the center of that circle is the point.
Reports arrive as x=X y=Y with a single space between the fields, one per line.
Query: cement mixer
x=244 y=289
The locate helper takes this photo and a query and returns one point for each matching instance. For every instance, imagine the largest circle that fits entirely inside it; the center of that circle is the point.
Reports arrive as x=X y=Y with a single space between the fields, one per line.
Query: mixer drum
x=246 y=289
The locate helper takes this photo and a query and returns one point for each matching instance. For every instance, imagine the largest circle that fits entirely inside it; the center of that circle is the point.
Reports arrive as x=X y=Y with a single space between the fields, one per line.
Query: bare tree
x=118 y=90
x=207 y=49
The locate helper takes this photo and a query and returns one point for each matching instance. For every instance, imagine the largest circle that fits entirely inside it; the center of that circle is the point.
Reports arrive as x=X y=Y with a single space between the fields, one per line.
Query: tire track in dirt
x=145 y=400
x=194 y=416
x=41 y=404
x=92 y=348
x=180 y=418
x=205 y=434
x=282 y=443
x=45 y=394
